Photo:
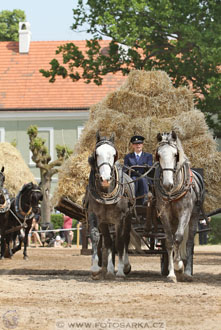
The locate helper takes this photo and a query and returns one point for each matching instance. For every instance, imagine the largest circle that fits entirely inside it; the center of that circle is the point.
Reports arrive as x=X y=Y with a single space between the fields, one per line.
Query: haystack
x=146 y=104
x=16 y=171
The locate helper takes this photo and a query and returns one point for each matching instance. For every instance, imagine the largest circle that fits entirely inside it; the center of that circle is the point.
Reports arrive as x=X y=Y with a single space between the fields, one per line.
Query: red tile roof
x=22 y=86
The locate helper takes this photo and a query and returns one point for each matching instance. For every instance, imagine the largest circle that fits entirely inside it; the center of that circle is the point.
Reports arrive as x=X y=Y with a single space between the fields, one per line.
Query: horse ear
x=174 y=136
x=159 y=137
x=112 y=138
x=3 y=168
x=98 y=136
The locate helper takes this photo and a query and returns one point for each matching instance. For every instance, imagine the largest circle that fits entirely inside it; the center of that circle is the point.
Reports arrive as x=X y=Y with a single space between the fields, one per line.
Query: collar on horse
x=7 y=203
x=180 y=189
x=18 y=209
x=106 y=198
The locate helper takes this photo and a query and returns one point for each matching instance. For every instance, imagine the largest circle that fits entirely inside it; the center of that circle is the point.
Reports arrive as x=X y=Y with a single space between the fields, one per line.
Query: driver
x=138 y=157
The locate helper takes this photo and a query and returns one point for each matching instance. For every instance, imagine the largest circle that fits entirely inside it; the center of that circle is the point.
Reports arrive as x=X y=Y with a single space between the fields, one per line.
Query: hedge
x=215 y=233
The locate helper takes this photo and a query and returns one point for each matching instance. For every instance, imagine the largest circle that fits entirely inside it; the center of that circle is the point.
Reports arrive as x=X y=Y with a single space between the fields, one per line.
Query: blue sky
x=49 y=19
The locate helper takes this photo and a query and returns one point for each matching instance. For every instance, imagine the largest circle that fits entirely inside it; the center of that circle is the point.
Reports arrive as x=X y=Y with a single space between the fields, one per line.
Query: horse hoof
x=179 y=275
x=110 y=276
x=187 y=278
x=120 y=276
x=2 y=258
x=25 y=257
x=127 y=269
x=96 y=277
x=171 y=279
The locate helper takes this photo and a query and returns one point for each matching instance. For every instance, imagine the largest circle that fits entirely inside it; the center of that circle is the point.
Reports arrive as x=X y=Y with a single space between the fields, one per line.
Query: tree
x=181 y=37
x=48 y=168
x=9 y=24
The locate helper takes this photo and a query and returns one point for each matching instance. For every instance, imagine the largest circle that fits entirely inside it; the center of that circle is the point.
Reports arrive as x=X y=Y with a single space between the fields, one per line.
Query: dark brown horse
x=19 y=218
x=110 y=200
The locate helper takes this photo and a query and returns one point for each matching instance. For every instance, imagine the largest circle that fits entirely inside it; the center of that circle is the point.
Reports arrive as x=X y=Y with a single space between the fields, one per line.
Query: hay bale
x=189 y=125
x=167 y=104
x=145 y=104
x=199 y=147
x=73 y=178
x=151 y=83
x=16 y=171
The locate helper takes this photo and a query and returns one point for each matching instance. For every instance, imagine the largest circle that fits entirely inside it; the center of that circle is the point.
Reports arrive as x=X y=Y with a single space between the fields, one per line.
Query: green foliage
x=181 y=37
x=14 y=143
x=32 y=131
x=37 y=146
x=215 y=234
x=63 y=151
x=57 y=220
x=40 y=151
x=9 y=24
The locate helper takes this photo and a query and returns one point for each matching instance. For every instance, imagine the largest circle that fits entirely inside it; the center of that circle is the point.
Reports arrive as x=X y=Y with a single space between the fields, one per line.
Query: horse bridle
x=106 y=163
x=177 y=158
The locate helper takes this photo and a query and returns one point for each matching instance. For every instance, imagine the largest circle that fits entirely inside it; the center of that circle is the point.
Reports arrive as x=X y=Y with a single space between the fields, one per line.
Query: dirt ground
x=54 y=289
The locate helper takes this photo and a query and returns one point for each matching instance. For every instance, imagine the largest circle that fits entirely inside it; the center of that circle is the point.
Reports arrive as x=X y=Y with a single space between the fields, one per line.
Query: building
x=59 y=109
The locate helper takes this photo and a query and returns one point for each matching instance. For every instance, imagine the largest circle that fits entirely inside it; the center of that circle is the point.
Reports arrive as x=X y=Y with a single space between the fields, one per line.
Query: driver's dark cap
x=137 y=139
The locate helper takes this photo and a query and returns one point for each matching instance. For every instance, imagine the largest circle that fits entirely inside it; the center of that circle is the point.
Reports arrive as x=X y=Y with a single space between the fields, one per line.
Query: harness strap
x=180 y=190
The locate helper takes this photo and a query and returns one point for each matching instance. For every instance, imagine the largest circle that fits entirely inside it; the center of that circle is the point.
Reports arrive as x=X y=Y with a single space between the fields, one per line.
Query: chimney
x=24 y=37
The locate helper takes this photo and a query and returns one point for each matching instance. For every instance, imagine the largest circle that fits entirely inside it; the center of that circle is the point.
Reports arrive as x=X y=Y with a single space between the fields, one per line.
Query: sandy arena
x=55 y=285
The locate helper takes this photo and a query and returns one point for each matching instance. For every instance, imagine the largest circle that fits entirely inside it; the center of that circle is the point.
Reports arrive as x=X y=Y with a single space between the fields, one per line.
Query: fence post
x=78 y=235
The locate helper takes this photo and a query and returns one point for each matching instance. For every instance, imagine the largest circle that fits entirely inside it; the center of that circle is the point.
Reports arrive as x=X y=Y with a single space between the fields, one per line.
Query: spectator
x=34 y=232
x=58 y=241
x=68 y=233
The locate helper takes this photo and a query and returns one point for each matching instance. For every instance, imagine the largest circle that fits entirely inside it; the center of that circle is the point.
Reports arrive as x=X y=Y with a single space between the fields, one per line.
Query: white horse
x=110 y=200
x=179 y=201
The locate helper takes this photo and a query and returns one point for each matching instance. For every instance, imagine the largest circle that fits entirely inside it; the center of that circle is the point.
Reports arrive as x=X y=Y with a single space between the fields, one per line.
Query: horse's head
x=32 y=195
x=168 y=156
x=103 y=158
x=2 y=177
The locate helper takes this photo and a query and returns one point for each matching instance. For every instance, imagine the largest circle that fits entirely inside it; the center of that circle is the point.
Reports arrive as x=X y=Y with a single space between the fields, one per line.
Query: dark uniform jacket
x=144 y=159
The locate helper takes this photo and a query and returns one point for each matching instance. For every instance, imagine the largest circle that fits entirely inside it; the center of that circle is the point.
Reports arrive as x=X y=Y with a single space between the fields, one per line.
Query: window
x=80 y=128
x=2 y=134
x=46 y=133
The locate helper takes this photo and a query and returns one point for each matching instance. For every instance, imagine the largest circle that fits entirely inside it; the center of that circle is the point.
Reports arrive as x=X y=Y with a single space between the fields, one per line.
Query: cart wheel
x=164 y=264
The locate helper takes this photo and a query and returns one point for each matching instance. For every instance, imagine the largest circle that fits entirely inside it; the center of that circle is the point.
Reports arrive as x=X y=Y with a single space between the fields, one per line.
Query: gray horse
x=110 y=201
x=179 y=201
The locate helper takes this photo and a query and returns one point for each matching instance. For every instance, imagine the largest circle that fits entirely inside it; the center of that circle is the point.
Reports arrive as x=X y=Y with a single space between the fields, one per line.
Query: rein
x=141 y=176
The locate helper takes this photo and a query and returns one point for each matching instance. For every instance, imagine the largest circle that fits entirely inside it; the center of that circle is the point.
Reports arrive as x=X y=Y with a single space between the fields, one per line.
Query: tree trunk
x=46 y=203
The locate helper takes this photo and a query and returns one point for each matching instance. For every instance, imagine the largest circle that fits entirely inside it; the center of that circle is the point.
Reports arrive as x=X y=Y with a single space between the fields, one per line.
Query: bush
x=215 y=233
x=57 y=220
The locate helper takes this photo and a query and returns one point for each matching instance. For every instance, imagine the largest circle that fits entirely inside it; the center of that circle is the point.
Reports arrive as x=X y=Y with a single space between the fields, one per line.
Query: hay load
x=146 y=104
x=16 y=171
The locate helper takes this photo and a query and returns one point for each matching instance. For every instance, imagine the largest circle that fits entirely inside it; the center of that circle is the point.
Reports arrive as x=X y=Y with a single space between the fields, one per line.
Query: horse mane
x=182 y=156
